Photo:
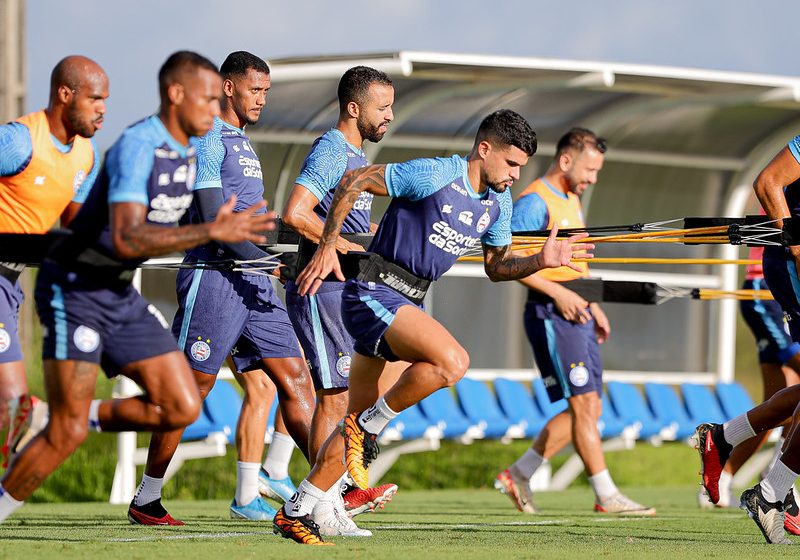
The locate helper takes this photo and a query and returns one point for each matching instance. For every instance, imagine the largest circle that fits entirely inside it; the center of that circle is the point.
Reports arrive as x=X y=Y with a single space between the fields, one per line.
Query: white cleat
x=620 y=504
x=333 y=520
x=517 y=488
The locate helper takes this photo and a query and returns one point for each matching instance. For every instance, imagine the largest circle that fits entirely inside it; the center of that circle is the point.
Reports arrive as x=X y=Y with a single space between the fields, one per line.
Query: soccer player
x=91 y=313
x=440 y=209
x=365 y=97
x=778 y=190
x=48 y=166
x=225 y=312
x=565 y=331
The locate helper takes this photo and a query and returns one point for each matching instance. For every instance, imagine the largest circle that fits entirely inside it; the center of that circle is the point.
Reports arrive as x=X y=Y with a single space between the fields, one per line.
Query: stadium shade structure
x=682 y=142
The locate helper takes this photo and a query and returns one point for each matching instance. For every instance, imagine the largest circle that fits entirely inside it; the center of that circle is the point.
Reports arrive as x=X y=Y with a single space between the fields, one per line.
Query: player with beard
x=365 y=97
x=440 y=208
x=223 y=312
x=47 y=168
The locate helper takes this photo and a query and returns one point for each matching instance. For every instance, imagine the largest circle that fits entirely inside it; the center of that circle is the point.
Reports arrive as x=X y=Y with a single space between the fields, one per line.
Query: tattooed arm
x=371 y=179
x=134 y=238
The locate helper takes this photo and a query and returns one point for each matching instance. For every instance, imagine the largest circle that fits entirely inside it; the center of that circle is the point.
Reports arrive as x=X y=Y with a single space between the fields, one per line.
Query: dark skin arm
x=69 y=213
x=134 y=238
x=371 y=179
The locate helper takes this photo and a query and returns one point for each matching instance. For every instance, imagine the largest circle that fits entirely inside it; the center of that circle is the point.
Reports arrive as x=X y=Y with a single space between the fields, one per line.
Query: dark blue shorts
x=766 y=321
x=10 y=300
x=368 y=309
x=85 y=321
x=320 y=329
x=567 y=353
x=780 y=273
x=226 y=312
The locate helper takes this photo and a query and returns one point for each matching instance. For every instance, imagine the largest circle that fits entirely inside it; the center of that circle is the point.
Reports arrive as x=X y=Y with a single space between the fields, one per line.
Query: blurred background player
x=91 y=313
x=365 y=98
x=48 y=164
x=225 y=312
x=565 y=332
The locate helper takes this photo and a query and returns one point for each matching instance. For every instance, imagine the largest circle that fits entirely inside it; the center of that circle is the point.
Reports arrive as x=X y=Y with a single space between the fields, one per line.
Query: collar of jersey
x=229 y=125
x=555 y=190
x=63 y=148
x=171 y=142
x=359 y=151
x=465 y=175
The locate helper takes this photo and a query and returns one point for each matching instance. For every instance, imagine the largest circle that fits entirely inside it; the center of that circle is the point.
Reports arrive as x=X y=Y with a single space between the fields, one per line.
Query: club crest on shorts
x=5 y=340
x=343 y=365
x=578 y=375
x=200 y=351
x=86 y=339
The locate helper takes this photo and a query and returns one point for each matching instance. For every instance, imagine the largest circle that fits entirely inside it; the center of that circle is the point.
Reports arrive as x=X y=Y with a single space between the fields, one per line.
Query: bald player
x=91 y=313
x=47 y=166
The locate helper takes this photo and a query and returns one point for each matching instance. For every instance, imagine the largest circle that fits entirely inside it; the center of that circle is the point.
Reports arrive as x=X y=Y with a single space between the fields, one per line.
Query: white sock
x=528 y=463
x=149 y=490
x=725 y=482
x=246 y=482
x=375 y=418
x=602 y=485
x=778 y=482
x=278 y=455
x=94 y=420
x=8 y=505
x=738 y=430
x=304 y=500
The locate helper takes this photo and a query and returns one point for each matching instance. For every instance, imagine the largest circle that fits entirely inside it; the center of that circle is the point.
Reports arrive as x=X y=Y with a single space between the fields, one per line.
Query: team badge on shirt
x=80 y=176
x=86 y=339
x=5 y=340
x=483 y=222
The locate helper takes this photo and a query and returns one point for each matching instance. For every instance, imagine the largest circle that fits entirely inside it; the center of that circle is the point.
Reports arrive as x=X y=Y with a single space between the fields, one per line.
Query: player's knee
x=455 y=366
x=181 y=412
x=332 y=405
x=67 y=434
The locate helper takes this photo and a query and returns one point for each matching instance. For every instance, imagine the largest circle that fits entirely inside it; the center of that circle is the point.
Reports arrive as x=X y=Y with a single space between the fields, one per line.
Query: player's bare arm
x=133 y=237
x=299 y=215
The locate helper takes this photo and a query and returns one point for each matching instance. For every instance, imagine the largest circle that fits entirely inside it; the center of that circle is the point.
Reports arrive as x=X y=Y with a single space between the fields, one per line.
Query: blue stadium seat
x=409 y=424
x=198 y=429
x=518 y=406
x=630 y=406
x=543 y=401
x=701 y=403
x=734 y=399
x=610 y=424
x=440 y=409
x=481 y=408
x=668 y=408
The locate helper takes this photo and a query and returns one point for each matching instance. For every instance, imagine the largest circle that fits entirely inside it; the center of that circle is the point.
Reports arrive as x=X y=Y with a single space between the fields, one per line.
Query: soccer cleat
x=151 y=513
x=791 y=514
x=277 y=489
x=714 y=453
x=620 y=504
x=517 y=489
x=358 y=501
x=19 y=421
x=301 y=530
x=768 y=517
x=360 y=449
x=257 y=510
x=333 y=520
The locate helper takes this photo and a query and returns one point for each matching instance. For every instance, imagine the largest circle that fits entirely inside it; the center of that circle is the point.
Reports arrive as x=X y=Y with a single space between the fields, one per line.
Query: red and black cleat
x=152 y=513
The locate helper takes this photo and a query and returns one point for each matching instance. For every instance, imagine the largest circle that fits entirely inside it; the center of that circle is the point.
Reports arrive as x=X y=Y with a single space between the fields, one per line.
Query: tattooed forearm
x=146 y=240
x=370 y=178
x=501 y=263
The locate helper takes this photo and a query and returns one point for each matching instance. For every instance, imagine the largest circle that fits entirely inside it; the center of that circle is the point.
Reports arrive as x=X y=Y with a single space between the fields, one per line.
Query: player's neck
x=57 y=128
x=474 y=175
x=170 y=122
x=556 y=179
x=229 y=116
x=349 y=130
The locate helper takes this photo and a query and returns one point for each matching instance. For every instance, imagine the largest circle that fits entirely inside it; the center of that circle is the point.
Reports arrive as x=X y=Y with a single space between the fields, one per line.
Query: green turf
x=462 y=524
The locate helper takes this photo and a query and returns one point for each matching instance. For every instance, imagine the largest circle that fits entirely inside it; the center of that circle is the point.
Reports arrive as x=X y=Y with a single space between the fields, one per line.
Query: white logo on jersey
x=80 y=177
x=39 y=180
x=163 y=179
x=86 y=339
x=483 y=222
x=447 y=209
x=364 y=201
x=458 y=189
x=5 y=340
x=168 y=209
x=180 y=174
x=246 y=147
x=235 y=148
x=449 y=240
x=565 y=222
x=465 y=217
x=251 y=167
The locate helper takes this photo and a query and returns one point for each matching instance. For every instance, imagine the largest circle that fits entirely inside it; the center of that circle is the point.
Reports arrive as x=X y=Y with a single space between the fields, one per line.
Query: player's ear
x=353 y=110
x=565 y=161
x=484 y=149
x=64 y=94
x=227 y=88
x=175 y=93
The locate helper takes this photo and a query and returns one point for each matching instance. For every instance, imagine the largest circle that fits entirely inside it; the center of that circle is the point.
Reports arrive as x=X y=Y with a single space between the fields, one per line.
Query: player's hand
x=324 y=261
x=236 y=227
x=602 y=328
x=560 y=252
x=572 y=307
x=344 y=246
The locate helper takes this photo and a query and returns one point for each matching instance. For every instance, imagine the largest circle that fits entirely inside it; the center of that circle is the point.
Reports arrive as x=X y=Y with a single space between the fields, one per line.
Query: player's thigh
x=415 y=336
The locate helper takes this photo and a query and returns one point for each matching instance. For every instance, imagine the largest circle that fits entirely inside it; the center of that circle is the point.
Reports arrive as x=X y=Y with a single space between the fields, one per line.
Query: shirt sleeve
x=499 y=234
x=794 y=147
x=323 y=167
x=419 y=178
x=210 y=153
x=16 y=148
x=129 y=167
x=83 y=191
x=530 y=214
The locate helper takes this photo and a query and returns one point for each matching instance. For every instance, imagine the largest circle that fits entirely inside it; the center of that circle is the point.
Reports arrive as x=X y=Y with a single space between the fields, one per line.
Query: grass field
x=462 y=524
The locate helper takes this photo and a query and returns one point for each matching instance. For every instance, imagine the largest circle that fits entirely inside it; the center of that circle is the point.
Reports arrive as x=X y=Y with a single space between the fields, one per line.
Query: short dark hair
x=178 y=63
x=354 y=84
x=239 y=62
x=579 y=139
x=507 y=128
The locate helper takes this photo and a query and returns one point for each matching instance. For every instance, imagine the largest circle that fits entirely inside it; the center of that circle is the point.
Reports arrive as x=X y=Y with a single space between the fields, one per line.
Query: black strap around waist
x=596 y=290
x=11 y=271
x=375 y=268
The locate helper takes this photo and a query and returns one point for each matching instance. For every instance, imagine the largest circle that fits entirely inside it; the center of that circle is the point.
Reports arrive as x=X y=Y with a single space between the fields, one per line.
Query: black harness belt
x=374 y=268
x=595 y=290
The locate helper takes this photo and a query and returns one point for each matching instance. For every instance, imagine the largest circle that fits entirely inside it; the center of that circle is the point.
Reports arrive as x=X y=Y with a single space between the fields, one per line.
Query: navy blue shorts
x=368 y=309
x=567 y=353
x=780 y=273
x=766 y=321
x=226 y=312
x=10 y=300
x=320 y=329
x=85 y=321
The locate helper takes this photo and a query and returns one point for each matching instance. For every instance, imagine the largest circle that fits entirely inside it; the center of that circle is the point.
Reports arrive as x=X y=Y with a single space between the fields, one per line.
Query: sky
x=131 y=39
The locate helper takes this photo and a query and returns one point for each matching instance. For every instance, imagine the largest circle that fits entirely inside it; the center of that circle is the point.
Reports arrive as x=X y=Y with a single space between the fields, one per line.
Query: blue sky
x=131 y=39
